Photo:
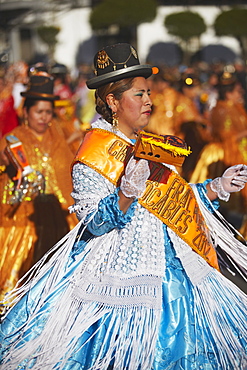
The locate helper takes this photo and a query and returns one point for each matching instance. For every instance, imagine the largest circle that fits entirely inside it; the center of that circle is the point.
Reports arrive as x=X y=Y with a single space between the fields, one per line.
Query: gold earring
x=114 y=120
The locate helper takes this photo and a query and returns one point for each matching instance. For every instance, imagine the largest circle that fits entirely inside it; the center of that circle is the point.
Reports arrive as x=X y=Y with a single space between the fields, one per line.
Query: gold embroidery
x=134 y=53
x=103 y=60
x=118 y=150
x=175 y=205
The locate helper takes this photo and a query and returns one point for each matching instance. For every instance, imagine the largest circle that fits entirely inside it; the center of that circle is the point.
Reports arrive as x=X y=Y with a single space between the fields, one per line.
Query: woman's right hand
x=133 y=182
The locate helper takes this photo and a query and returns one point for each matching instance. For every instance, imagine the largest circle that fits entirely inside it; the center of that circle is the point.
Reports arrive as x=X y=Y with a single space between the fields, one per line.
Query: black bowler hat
x=40 y=87
x=115 y=62
x=37 y=67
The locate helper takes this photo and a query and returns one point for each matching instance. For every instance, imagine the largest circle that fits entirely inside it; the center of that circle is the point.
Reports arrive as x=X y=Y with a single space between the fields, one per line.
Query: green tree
x=233 y=23
x=123 y=16
x=48 y=35
x=187 y=26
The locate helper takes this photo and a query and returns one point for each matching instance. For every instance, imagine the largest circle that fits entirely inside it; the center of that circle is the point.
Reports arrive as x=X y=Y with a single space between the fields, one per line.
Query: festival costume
x=69 y=123
x=124 y=291
x=172 y=109
x=28 y=230
x=228 y=122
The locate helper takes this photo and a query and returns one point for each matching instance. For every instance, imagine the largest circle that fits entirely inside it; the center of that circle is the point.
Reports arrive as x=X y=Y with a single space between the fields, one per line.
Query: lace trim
x=217 y=187
x=122 y=292
x=89 y=188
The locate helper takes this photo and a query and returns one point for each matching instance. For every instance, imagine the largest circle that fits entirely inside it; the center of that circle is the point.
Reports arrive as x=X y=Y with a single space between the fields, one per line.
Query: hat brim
x=134 y=71
x=37 y=96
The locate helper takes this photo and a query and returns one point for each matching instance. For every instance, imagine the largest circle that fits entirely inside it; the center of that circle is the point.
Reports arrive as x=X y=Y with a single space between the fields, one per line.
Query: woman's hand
x=232 y=180
x=133 y=182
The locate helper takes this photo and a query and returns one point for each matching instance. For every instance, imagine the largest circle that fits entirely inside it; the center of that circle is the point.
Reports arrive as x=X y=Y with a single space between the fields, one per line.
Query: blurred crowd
x=201 y=103
x=206 y=105
x=74 y=110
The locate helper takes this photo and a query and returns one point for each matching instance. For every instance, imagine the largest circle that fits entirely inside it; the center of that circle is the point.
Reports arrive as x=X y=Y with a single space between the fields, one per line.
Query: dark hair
x=60 y=76
x=115 y=88
x=224 y=89
x=29 y=103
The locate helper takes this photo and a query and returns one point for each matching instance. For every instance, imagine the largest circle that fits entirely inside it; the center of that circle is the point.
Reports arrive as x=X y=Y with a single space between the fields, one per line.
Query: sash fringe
x=222 y=234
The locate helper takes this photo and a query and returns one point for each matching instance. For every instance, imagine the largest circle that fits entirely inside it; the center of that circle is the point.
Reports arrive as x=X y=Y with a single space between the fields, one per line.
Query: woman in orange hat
x=136 y=285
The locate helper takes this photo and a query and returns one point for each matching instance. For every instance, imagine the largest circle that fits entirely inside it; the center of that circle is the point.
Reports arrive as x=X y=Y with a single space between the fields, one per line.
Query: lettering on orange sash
x=168 y=196
x=118 y=150
x=105 y=152
x=175 y=205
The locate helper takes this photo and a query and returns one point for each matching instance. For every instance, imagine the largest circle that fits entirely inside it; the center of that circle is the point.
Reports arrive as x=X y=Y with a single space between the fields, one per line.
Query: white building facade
x=75 y=29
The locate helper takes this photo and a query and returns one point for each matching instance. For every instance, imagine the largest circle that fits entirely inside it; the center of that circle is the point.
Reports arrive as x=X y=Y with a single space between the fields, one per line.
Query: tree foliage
x=185 y=25
x=48 y=34
x=231 y=22
x=124 y=13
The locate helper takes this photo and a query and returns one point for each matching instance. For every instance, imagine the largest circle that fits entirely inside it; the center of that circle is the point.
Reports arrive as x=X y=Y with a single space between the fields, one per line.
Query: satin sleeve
x=202 y=190
x=109 y=215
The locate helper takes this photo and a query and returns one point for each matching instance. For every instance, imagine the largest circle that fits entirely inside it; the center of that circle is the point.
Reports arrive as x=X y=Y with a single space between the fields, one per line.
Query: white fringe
x=133 y=306
x=220 y=306
x=222 y=234
x=130 y=338
x=131 y=326
x=84 y=206
x=221 y=313
x=53 y=269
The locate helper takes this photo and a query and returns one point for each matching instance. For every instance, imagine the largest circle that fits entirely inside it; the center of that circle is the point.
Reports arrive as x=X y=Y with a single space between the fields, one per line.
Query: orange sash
x=168 y=196
x=104 y=152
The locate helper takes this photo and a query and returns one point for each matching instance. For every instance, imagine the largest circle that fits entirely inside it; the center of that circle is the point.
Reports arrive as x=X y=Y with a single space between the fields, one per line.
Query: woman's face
x=134 y=108
x=39 y=116
x=236 y=95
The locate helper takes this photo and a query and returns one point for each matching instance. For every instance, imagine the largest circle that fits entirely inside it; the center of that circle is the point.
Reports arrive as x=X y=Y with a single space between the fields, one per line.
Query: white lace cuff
x=217 y=187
